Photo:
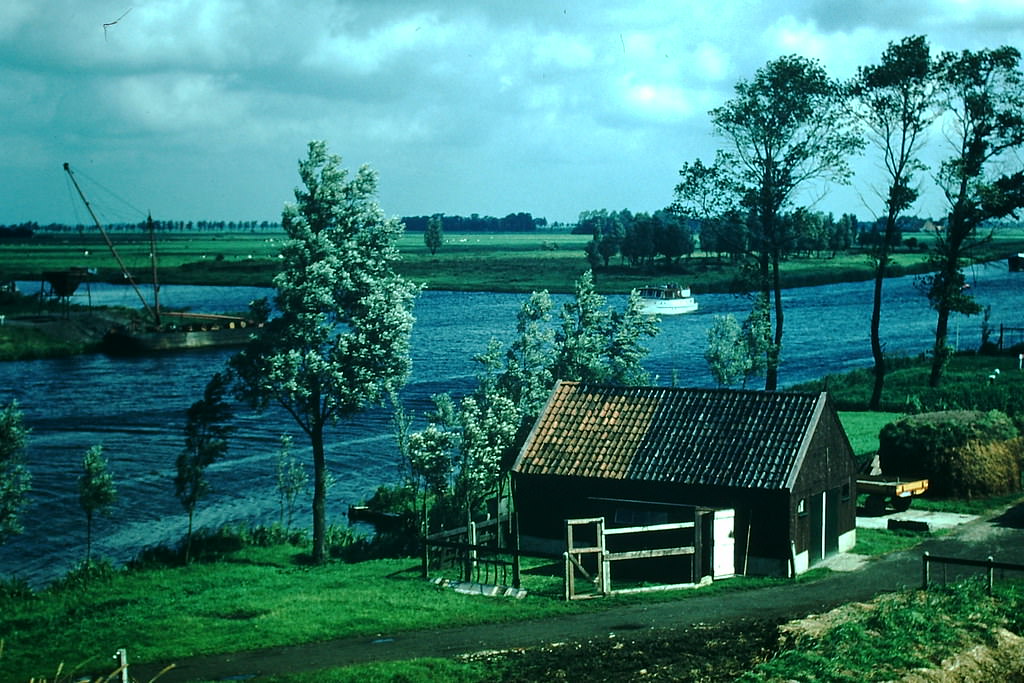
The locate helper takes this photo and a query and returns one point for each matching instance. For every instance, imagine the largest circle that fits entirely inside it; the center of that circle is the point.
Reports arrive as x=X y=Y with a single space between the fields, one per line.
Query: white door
x=723 y=563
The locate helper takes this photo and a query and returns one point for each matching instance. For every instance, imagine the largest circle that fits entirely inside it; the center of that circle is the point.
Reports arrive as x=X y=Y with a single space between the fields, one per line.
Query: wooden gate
x=587 y=556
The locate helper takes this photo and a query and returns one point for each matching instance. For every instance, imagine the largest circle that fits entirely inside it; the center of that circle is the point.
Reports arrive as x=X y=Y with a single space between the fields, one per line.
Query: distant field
x=519 y=262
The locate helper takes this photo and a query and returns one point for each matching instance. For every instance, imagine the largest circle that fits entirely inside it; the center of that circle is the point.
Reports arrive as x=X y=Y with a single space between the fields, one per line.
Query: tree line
x=791 y=128
x=513 y=222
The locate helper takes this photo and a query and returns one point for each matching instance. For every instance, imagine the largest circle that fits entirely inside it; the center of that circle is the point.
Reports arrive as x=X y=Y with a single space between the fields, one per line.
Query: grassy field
x=466 y=262
x=966 y=384
x=258 y=597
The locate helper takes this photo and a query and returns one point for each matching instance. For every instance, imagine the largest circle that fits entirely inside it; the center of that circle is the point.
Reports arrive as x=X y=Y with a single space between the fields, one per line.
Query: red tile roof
x=716 y=437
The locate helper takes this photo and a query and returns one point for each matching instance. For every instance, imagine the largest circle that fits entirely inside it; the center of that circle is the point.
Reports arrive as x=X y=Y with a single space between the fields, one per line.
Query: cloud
x=461 y=106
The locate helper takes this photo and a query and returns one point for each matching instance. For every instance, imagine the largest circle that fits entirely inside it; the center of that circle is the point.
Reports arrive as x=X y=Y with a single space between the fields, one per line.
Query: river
x=135 y=407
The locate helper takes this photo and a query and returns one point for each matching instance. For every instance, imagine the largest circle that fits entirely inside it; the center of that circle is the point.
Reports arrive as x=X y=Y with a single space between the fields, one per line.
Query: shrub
x=963 y=453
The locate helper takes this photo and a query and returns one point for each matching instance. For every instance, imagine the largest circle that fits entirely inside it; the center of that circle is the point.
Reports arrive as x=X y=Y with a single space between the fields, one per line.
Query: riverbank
x=54 y=335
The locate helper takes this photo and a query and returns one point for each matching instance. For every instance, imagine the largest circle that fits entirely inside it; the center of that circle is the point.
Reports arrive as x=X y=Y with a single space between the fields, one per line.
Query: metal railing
x=988 y=564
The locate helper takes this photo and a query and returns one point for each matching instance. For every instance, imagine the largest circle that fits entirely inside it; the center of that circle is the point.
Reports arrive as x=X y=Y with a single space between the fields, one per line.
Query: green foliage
x=785 y=127
x=962 y=453
x=897 y=633
x=15 y=480
x=983 y=95
x=896 y=102
x=726 y=352
x=96 y=490
x=341 y=340
x=206 y=434
x=292 y=481
x=907 y=390
x=86 y=575
x=433 y=236
x=458 y=459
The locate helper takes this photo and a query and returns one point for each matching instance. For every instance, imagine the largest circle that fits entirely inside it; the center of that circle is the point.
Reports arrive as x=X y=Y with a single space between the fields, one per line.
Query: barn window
x=801 y=507
x=846 y=492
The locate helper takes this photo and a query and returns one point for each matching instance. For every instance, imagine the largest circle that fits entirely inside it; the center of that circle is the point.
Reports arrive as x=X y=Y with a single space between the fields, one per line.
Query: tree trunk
x=771 y=375
x=876 y=342
x=940 y=354
x=188 y=538
x=876 y=313
x=88 y=537
x=319 y=494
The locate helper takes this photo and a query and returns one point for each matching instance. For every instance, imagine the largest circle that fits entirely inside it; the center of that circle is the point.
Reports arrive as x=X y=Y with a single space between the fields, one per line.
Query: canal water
x=135 y=407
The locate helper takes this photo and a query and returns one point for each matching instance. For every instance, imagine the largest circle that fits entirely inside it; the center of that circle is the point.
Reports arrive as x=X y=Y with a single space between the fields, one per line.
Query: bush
x=962 y=453
x=84 y=574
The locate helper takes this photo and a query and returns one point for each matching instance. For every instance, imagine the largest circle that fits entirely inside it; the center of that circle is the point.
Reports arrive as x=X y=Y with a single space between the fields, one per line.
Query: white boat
x=669 y=299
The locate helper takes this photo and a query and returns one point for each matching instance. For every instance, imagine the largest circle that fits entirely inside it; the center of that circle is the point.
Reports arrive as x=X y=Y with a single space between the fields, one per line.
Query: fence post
x=471 y=551
x=924 y=571
x=122 y=659
x=604 y=565
x=567 y=593
x=516 y=559
x=991 y=574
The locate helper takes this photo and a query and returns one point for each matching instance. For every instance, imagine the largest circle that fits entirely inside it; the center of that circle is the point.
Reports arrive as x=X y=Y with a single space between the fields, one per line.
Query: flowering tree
x=341 y=339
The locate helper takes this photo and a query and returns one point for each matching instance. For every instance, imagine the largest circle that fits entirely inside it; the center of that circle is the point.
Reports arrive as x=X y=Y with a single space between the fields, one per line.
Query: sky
x=201 y=109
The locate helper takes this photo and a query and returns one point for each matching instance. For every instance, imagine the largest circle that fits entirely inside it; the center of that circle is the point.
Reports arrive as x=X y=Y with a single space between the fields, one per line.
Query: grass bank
x=253 y=598
x=971 y=381
x=466 y=262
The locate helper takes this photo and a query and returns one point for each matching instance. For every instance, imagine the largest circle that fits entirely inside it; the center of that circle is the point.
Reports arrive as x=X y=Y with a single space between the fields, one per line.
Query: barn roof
x=714 y=437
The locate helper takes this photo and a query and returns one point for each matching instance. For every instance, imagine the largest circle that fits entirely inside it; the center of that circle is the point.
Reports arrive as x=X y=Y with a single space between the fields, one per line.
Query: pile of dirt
x=711 y=653
x=1001 y=660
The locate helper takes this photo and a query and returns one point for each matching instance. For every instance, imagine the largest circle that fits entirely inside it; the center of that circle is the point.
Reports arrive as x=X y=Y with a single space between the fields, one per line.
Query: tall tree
x=96 y=491
x=896 y=102
x=984 y=101
x=15 y=480
x=206 y=440
x=341 y=340
x=786 y=127
x=433 y=236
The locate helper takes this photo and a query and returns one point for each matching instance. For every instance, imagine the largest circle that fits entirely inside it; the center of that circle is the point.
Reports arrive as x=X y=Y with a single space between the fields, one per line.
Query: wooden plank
x=576 y=563
x=652 y=527
x=647 y=554
x=651 y=589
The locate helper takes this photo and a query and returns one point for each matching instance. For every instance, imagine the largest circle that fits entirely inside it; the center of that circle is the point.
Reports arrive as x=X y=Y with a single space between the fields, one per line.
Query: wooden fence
x=593 y=561
x=475 y=552
x=988 y=564
x=1010 y=336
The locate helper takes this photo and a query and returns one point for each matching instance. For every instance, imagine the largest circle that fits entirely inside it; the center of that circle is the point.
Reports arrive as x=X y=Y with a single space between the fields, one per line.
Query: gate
x=588 y=562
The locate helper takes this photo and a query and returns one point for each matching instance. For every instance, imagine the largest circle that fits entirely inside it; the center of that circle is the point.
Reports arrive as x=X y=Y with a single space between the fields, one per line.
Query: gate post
x=924 y=571
x=603 y=563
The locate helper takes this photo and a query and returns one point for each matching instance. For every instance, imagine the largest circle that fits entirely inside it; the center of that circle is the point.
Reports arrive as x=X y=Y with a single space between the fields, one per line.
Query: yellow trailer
x=898 y=494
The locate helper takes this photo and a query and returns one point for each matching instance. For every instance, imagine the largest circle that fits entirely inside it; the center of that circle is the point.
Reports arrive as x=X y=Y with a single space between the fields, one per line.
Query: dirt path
x=1000 y=536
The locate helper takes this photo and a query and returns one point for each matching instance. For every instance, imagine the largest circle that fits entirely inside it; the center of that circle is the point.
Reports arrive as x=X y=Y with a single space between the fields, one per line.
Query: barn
x=775 y=469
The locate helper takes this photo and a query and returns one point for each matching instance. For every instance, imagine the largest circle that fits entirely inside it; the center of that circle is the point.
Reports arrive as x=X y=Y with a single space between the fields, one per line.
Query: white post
x=122 y=658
